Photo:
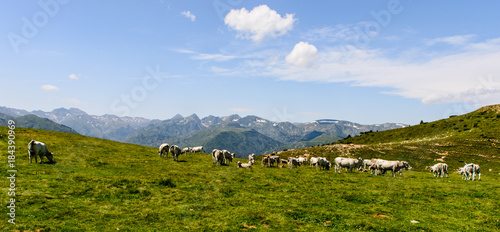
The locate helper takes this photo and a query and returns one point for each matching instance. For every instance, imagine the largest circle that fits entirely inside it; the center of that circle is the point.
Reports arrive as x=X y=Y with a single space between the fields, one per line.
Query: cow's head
x=406 y=165
x=49 y=156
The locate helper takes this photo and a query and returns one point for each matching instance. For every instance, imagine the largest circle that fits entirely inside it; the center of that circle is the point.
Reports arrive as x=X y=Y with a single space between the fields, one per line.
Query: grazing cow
x=251 y=159
x=242 y=165
x=163 y=149
x=218 y=157
x=36 y=148
x=175 y=151
x=293 y=162
x=470 y=170
x=196 y=149
x=394 y=166
x=439 y=169
x=369 y=162
x=228 y=156
x=186 y=150
x=284 y=161
x=302 y=160
x=274 y=159
x=323 y=164
x=349 y=163
x=313 y=161
x=265 y=160
x=361 y=169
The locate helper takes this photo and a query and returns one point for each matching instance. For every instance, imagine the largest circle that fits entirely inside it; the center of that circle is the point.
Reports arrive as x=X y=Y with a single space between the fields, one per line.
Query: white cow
x=302 y=160
x=36 y=148
x=349 y=163
x=369 y=162
x=196 y=149
x=439 y=169
x=470 y=170
x=251 y=159
x=186 y=150
x=394 y=166
x=242 y=165
x=163 y=149
x=313 y=161
x=175 y=151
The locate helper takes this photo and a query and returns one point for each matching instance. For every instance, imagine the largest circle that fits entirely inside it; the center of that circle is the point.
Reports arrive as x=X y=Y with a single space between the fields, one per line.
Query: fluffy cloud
x=259 y=23
x=460 y=74
x=189 y=15
x=49 y=88
x=73 y=77
x=302 y=55
x=466 y=75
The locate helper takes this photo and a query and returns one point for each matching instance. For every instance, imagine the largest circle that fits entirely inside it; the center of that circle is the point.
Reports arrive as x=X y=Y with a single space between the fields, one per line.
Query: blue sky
x=362 y=61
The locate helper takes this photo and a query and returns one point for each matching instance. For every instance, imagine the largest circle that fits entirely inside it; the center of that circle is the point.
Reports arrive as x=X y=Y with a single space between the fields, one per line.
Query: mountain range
x=242 y=135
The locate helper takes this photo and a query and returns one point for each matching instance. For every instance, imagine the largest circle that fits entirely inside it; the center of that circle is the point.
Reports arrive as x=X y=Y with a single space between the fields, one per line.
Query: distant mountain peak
x=193 y=117
x=77 y=111
x=177 y=117
x=233 y=117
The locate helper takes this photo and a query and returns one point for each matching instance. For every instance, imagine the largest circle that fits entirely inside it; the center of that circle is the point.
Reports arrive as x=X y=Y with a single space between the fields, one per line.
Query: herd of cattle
x=224 y=157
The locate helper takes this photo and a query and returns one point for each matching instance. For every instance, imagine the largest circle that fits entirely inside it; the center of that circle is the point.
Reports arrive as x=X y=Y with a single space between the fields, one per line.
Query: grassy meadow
x=100 y=185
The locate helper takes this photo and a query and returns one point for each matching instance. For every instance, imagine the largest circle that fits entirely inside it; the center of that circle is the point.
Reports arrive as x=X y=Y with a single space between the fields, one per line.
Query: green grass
x=483 y=124
x=100 y=185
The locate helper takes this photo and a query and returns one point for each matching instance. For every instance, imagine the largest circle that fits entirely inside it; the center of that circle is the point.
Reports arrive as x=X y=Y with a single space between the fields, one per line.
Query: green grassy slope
x=481 y=124
x=33 y=121
x=100 y=185
x=472 y=137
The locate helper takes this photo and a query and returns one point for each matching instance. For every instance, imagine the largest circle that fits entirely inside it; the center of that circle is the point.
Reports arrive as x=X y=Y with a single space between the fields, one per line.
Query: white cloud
x=189 y=15
x=259 y=23
x=185 y=51
x=445 y=78
x=216 y=57
x=466 y=73
x=73 y=77
x=49 y=88
x=302 y=55
x=453 y=40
